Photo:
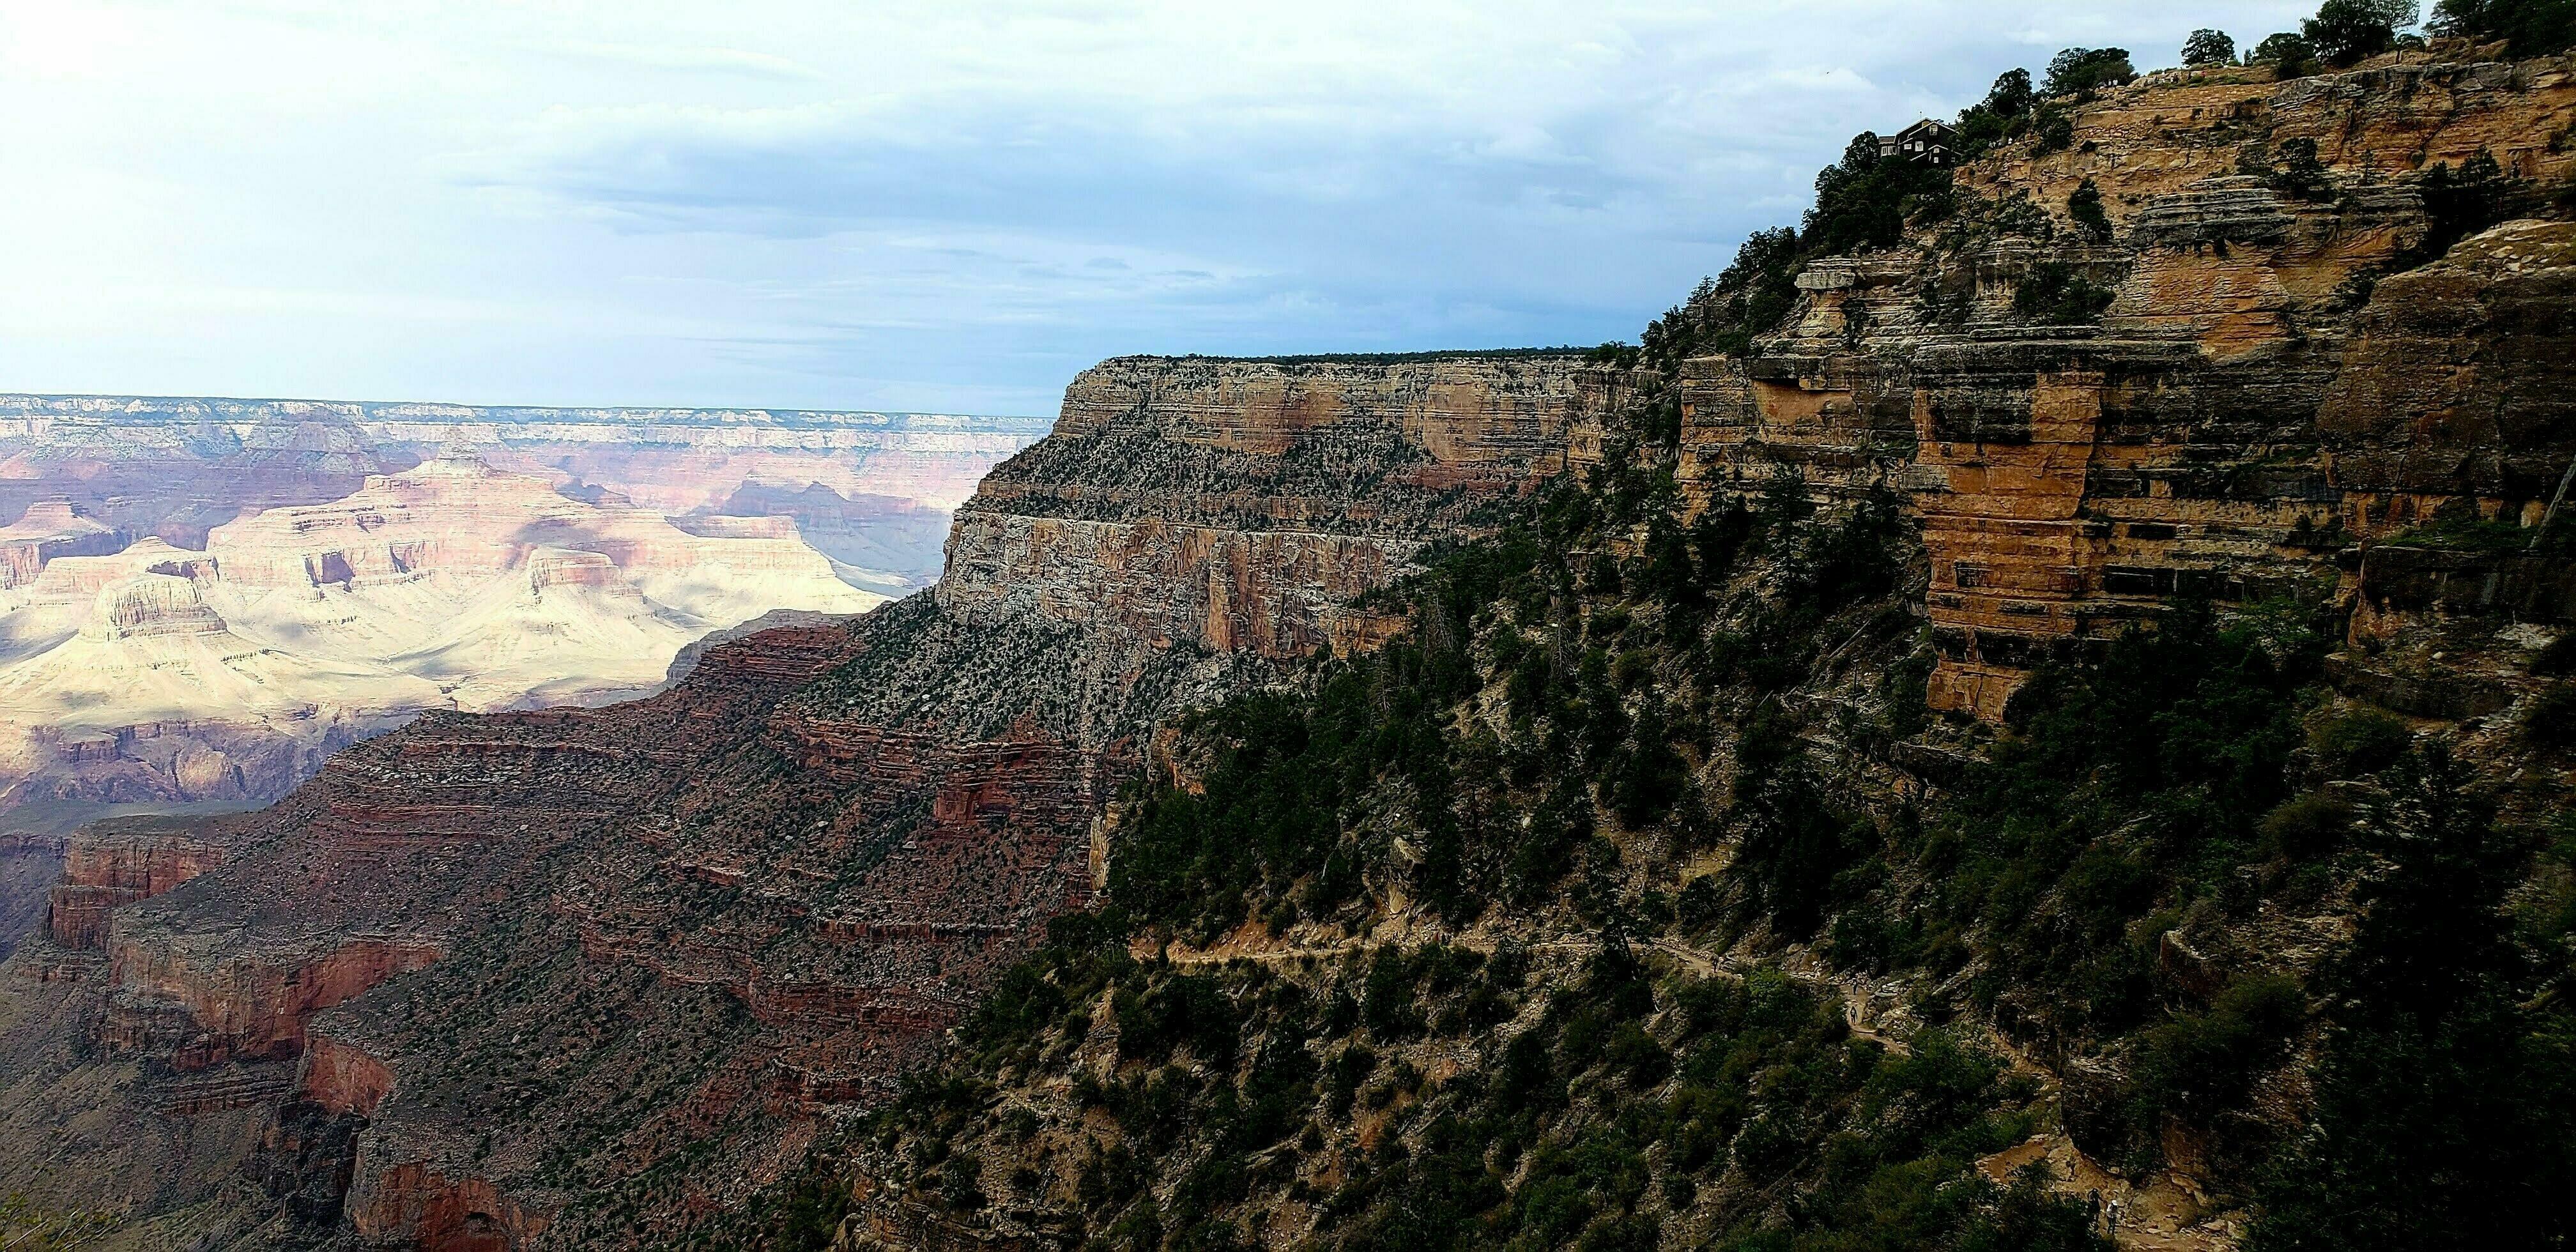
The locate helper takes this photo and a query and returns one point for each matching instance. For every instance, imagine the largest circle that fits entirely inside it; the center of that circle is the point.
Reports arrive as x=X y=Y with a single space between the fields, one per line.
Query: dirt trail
x=2163 y=1216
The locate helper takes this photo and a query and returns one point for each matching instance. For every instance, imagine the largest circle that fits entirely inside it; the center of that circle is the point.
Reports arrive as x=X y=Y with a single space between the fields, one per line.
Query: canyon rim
x=2034 y=710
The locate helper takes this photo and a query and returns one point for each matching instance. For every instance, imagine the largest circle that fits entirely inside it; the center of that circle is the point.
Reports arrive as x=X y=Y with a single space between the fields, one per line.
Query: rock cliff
x=522 y=966
x=50 y=529
x=1659 y=789
x=2254 y=398
x=158 y=674
x=1244 y=505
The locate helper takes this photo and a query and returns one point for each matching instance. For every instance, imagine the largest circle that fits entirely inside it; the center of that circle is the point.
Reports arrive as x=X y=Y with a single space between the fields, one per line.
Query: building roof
x=1925 y=140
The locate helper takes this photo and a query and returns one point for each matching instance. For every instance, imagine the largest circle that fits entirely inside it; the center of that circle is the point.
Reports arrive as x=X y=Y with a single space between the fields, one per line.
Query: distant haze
x=200 y=599
x=901 y=205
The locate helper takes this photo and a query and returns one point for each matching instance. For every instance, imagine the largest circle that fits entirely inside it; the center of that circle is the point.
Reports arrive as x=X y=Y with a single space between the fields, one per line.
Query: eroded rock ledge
x=484 y=965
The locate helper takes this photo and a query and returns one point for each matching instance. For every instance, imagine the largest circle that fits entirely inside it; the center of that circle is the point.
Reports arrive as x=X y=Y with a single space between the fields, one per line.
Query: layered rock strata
x=521 y=966
x=583 y=976
x=1242 y=505
x=47 y=530
x=176 y=466
x=160 y=675
x=2250 y=403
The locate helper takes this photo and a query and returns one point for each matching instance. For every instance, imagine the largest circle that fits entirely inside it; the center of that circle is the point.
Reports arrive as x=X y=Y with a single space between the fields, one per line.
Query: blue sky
x=945 y=206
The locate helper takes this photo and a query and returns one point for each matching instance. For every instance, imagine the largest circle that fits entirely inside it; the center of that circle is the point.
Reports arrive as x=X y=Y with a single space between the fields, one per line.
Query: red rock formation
x=50 y=529
x=194 y=1013
x=343 y=1077
x=413 y=1205
x=108 y=866
x=841 y=832
x=551 y=955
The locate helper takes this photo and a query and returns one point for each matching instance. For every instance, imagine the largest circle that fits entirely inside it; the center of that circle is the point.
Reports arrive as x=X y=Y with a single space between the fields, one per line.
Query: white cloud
x=902 y=202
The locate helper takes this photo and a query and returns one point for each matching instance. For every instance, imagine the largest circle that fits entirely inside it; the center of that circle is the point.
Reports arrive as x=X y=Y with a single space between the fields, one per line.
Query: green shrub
x=2084 y=205
x=2551 y=720
x=2460 y=203
x=2201 y=1064
x=2304 y=827
x=2530 y=28
x=1862 y=201
x=2301 y=175
x=2345 y=31
x=2057 y=294
x=2291 y=56
x=2447 y=1091
x=2082 y=71
x=2359 y=741
x=2056 y=129
x=2209 y=47
x=2002 y=115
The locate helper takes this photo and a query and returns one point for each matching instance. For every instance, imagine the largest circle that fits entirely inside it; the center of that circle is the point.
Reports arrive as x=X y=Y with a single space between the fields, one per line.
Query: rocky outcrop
x=758 y=897
x=50 y=529
x=2249 y=404
x=1244 y=505
x=413 y=1205
x=1276 y=593
x=117 y=863
x=583 y=976
x=2460 y=383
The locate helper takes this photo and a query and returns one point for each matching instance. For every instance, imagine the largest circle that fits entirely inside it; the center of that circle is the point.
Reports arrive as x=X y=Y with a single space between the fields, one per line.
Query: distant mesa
x=202 y=599
x=51 y=528
x=152 y=606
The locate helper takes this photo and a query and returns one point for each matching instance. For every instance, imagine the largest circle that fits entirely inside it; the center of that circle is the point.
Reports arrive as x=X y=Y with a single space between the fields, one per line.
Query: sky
x=947 y=206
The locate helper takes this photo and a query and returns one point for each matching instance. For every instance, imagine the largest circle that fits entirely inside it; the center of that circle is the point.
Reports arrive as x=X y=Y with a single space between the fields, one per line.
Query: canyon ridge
x=2031 y=712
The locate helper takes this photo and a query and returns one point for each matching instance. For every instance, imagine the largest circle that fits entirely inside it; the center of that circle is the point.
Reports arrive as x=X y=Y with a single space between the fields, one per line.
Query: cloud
x=801 y=202
x=699 y=60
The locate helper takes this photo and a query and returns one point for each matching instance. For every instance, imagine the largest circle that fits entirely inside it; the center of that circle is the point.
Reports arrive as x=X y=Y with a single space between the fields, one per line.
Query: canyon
x=177 y=467
x=608 y=976
x=205 y=598
x=550 y=955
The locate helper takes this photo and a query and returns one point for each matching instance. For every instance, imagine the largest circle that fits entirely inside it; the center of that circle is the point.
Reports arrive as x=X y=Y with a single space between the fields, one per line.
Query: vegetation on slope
x=1563 y=1065
x=1449 y=945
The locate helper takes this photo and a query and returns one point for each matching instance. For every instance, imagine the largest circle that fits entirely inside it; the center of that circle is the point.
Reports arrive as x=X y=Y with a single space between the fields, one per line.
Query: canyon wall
x=2256 y=399
x=588 y=976
x=495 y=976
x=159 y=675
x=1242 y=505
x=30 y=866
x=352 y=564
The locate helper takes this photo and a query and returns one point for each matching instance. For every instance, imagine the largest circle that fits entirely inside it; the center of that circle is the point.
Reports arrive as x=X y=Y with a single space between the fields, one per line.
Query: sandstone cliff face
x=160 y=674
x=47 y=530
x=584 y=976
x=1240 y=505
x=117 y=863
x=2249 y=404
x=516 y=966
